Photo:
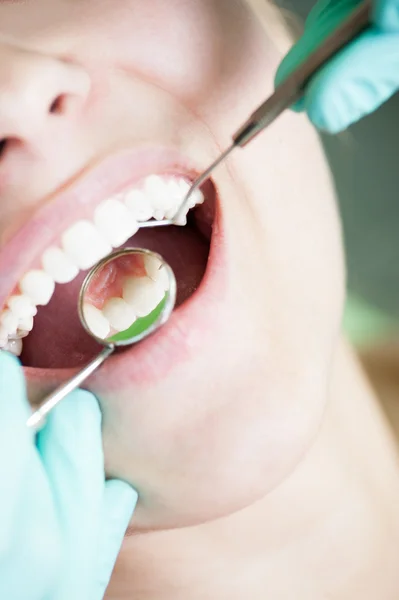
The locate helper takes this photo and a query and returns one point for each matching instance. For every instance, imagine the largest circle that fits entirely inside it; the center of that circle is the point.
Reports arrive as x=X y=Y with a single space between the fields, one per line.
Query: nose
x=34 y=89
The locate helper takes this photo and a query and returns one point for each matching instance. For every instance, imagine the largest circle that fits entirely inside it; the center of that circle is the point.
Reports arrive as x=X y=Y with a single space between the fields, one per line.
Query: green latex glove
x=360 y=77
x=61 y=523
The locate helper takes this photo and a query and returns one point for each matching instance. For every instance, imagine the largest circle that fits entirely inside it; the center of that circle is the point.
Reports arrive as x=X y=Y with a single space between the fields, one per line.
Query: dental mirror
x=125 y=297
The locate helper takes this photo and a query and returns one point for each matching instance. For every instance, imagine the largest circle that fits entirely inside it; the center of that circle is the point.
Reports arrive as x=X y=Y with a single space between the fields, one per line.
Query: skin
x=274 y=474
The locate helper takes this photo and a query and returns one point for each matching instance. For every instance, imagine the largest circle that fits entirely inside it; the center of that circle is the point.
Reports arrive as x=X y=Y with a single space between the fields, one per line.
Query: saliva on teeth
x=83 y=244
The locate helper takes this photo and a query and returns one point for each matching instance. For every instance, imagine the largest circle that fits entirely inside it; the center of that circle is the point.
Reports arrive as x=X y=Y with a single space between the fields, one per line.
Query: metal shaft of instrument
x=287 y=93
x=36 y=419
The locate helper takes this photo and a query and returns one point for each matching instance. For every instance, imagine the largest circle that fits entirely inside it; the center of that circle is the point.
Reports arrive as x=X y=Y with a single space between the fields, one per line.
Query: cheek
x=292 y=215
x=199 y=450
x=203 y=450
x=222 y=463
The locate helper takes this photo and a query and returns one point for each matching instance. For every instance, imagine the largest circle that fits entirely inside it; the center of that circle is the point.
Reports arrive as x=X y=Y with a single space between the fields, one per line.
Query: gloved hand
x=360 y=77
x=61 y=523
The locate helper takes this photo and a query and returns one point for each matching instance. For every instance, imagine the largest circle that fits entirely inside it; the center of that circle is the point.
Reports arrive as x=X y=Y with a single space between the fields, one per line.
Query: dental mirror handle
x=36 y=419
x=292 y=88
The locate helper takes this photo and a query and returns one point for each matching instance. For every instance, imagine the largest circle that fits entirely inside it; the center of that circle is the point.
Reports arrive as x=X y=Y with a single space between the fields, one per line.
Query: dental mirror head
x=126 y=297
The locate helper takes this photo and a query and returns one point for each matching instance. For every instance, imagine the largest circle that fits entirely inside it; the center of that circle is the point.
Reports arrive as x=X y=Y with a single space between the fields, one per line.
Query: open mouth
x=39 y=321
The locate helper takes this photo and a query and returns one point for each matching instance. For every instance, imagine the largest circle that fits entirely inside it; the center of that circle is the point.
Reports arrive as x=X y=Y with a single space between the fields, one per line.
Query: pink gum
x=108 y=281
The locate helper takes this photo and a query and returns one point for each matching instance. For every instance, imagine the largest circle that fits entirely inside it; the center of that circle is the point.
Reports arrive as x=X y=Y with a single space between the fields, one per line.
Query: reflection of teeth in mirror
x=142 y=294
x=83 y=244
x=152 y=265
x=156 y=271
x=119 y=314
x=96 y=321
x=163 y=278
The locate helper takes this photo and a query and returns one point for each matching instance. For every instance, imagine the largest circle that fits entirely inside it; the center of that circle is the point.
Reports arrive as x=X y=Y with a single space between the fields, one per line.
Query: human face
x=215 y=410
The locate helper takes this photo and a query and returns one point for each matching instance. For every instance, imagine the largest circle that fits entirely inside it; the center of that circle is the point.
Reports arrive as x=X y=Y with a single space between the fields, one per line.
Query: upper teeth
x=84 y=243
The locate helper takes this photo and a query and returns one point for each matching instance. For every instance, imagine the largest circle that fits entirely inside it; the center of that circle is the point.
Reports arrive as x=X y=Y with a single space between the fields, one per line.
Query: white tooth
x=159 y=214
x=181 y=219
x=175 y=196
x=120 y=314
x=56 y=264
x=3 y=336
x=196 y=197
x=84 y=245
x=156 y=270
x=8 y=322
x=19 y=335
x=22 y=306
x=114 y=220
x=156 y=189
x=142 y=294
x=152 y=265
x=38 y=286
x=96 y=321
x=184 y=187
x=25 y=324
x=14 y=346
x=163 y=278
x=139 y=205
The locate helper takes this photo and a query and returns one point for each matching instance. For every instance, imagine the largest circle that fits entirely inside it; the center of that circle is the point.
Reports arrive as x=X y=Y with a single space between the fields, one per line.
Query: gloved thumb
x=386 y=15
x=355 y=82
x=16 y=441
x=120 y=501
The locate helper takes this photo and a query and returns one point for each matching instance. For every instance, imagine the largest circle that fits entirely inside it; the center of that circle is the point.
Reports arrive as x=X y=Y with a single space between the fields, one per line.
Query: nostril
x=58 y=105
x=3 y=144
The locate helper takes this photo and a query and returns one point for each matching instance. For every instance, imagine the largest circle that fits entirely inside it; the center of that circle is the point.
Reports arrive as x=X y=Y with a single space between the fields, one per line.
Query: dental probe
x=285 y=95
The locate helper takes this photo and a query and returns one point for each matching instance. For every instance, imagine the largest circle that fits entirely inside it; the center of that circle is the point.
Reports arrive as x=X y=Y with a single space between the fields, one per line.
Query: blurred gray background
x=365 y=165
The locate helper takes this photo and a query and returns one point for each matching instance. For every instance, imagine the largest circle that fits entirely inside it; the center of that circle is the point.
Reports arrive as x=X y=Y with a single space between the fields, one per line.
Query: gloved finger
x=31 y=565
x=355 y=82
x=120 y=500
x=321 y=22
x=16 y=442
x=28 y=525
x=71 y=448
x=386 y=15
x=327 y=14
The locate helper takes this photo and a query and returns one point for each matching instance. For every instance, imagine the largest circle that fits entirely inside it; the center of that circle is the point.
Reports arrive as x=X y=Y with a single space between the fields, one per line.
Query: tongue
x=59 y=341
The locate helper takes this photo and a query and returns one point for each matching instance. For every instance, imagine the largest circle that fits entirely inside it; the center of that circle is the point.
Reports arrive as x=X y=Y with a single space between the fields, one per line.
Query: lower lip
x=190 y=328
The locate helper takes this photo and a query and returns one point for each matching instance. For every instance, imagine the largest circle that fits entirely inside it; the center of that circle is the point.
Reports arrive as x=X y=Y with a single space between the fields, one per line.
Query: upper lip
x=188 y=327
x=78 y=200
